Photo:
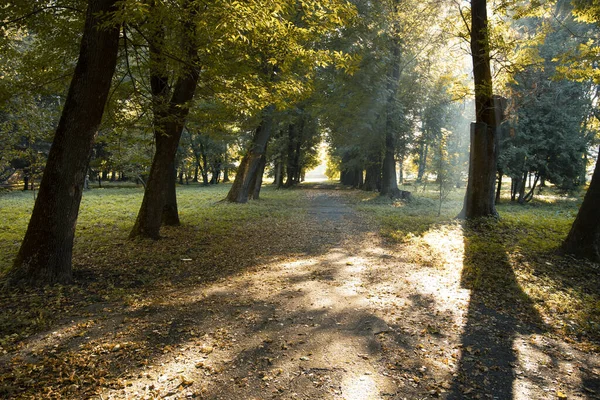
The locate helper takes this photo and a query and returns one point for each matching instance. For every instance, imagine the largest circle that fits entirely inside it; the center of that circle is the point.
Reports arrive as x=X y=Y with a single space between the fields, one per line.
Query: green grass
x=216 y=239
x=513 y=261
x=107 y=215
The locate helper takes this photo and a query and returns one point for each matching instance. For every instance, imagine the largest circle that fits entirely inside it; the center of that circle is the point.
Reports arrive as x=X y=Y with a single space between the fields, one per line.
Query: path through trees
x=328 y=310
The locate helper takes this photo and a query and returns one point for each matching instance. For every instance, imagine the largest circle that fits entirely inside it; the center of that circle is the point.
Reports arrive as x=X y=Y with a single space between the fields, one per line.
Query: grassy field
x=516 y=255
x=514 y=260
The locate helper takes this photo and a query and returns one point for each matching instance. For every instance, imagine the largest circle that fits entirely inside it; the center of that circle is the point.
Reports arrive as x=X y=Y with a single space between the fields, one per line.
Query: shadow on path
x=498 y=311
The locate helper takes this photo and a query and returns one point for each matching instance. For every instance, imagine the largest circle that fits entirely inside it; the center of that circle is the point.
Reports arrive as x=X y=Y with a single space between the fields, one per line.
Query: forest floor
x=323 y=303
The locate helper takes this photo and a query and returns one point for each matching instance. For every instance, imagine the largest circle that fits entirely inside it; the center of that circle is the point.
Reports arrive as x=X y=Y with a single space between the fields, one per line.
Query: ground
x=320 y=306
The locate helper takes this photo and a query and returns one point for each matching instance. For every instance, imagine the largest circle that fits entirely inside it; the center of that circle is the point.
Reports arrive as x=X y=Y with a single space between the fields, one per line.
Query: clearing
x=320 y=305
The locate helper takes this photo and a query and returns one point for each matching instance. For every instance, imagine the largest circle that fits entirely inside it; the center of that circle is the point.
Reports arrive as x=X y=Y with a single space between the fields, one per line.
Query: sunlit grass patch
x=512 y=262
x=216 y=239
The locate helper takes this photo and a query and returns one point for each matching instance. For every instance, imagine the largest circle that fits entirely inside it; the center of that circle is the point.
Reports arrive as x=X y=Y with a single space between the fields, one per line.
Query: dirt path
x=351 y=318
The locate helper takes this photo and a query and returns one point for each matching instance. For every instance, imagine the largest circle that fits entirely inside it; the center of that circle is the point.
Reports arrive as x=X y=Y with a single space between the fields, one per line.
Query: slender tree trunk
x=291 y=156
x=479 y=198
x=278 y=173
x=389 y=180
x=583 y=239
x=522 y=187
x=422 y=161
x=499 y=187
x=45 y=254
x=246 y=173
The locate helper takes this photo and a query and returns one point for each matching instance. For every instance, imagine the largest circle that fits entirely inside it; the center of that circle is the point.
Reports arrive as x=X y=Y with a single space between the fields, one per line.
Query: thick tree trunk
x=149 y=217
x=372 y=181
x=169 y=120
x=584 y=238
x=170 y=215
x=45 y=254
x=479 y=198
x=257 y=183
x=246 y=173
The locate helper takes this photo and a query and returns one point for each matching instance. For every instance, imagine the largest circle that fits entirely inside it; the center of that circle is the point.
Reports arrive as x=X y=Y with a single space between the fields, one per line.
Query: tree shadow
x=498 y=311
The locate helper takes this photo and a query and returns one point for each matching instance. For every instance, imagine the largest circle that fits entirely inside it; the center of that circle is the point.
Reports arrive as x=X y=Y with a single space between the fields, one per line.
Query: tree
x=170 y=111
x=45 y=254
x=583 y=239
x=480 y=195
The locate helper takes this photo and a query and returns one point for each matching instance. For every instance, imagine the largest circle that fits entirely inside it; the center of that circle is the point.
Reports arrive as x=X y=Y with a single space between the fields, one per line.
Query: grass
x=216 y=239
x=514 y=260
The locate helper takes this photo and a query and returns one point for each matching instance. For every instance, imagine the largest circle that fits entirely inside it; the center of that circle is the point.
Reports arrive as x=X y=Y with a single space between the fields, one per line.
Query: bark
x=45 y=254
x=258 y=179
x=373 y=176
x=389 y=180
x=583 y=239
x=293 y=153
x=169 y=120
x=422 y=161
x=170 y=214
x=278 y=178
x=522 y=187
x=246 y=173
x=226 y=175
x=499 y=187
x=479 y=198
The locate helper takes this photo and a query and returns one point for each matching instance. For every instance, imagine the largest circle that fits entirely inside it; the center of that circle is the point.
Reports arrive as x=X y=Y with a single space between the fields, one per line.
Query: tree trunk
x=246 y=173
x=291 y=168
x=522 y=187
x=389 y=180
x=169 y=120
x=499 y=187
x=257 y=183
x=422 y=162
x=278 y=178
x=479 y=198
x=149 y=217
x=372 y=181
x=45 y=254
x=170 y=214
x=584 y=238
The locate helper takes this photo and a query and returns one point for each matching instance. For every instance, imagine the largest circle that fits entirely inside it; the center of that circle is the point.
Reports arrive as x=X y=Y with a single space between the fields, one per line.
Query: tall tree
x=160 y=203
x=45 y=254
x=479 y=198
x=584 y=237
